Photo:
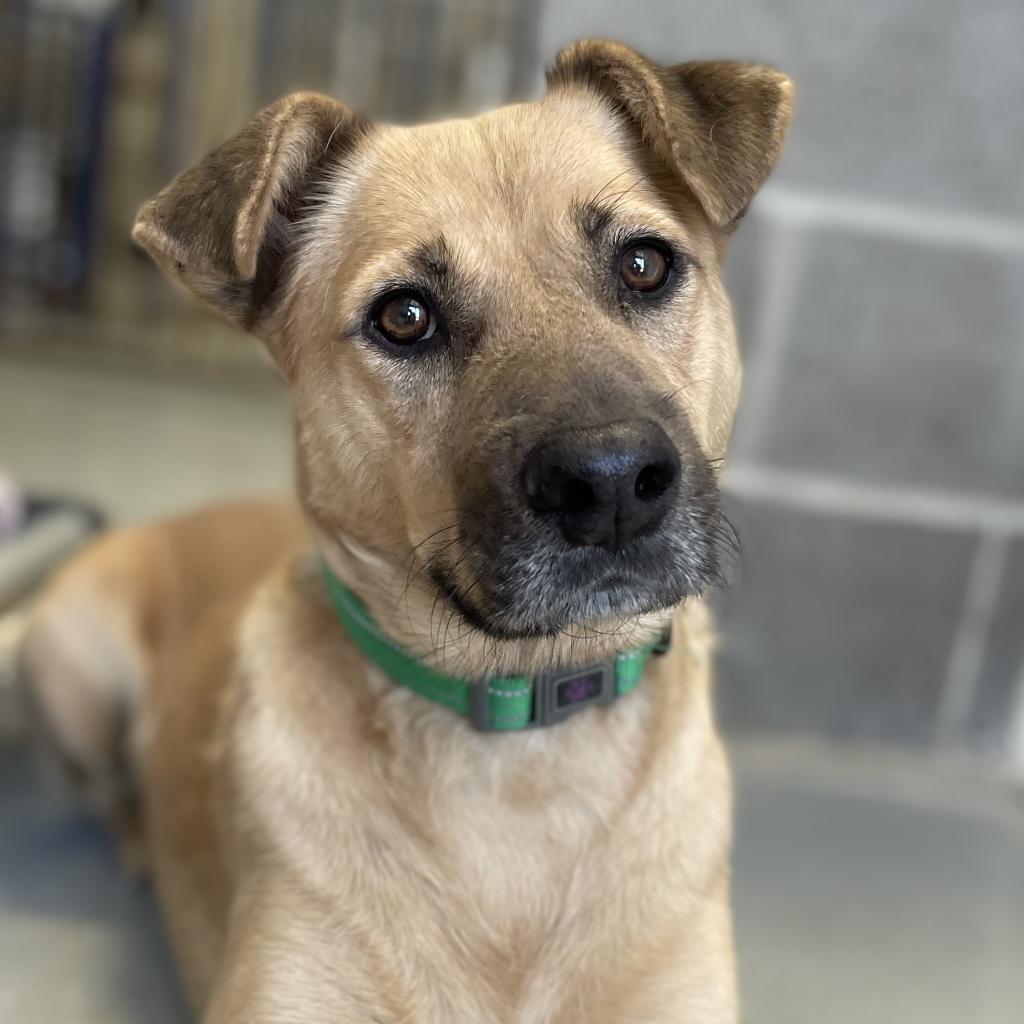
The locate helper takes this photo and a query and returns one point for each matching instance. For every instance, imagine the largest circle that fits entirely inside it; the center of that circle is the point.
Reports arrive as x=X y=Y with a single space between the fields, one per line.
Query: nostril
x=653 y=481
x=550 y=488
x=577 y=497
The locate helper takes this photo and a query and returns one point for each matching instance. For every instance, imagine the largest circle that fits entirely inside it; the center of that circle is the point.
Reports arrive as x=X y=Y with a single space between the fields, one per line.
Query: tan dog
x=514 y=373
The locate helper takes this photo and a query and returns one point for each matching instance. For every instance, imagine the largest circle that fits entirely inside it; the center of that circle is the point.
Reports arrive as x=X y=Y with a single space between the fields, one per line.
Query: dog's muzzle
x=581 y=524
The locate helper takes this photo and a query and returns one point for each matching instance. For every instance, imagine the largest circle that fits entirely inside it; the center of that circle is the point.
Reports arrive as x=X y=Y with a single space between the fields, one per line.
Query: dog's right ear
x=226 y=227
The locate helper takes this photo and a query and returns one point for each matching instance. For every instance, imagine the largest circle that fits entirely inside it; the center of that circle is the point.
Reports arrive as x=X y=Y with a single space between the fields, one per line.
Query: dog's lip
x=447 y=589
x=611 y=586
x=610 y=579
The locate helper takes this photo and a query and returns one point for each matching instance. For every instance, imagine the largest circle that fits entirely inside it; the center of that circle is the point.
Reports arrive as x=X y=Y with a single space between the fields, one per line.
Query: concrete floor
x=79 y=942
x=863 y=896
x=873 y=890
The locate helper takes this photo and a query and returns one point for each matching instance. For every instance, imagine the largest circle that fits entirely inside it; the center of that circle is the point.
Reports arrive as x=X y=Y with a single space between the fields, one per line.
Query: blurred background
x=872 y=663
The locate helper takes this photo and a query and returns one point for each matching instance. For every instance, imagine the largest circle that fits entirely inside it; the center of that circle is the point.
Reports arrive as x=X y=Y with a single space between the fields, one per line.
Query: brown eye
x=644 y=267
x=404 y=318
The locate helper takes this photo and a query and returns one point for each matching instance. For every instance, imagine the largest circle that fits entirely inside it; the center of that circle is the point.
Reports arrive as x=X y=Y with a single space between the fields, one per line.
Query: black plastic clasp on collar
x=556 y=695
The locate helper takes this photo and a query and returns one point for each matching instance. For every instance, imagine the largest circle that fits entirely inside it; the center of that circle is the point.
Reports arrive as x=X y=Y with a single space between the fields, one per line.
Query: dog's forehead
x=513 y=170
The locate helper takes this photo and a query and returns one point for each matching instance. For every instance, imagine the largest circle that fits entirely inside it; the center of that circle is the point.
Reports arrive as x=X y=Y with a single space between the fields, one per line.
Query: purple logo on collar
x=577 y=689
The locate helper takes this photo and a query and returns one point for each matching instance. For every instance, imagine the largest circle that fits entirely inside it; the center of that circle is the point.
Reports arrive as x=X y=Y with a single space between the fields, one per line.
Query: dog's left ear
x=226 y=227
x=719 y=125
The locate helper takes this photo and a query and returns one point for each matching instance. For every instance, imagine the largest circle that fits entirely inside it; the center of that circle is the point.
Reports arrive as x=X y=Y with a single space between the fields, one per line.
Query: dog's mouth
x=524 y=590
x=598 y=606
x=583 y=524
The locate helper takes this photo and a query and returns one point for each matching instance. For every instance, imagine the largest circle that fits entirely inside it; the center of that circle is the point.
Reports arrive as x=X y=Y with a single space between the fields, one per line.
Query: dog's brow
x=591 y=218
x=434 y=263
x=433 y=260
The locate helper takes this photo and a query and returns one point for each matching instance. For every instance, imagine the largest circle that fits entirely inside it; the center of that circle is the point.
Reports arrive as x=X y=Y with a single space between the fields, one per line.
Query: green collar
x=496 y=703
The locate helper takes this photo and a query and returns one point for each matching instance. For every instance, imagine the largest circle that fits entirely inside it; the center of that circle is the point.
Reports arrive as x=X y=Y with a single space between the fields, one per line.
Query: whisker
x=596 y=199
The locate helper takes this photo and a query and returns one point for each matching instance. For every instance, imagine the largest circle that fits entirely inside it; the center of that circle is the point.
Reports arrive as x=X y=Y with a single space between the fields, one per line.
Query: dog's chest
x=468 y=876
x=517 y=823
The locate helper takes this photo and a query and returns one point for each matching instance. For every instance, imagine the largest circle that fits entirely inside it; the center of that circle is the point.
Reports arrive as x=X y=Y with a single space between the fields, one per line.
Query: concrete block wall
x=877 y=478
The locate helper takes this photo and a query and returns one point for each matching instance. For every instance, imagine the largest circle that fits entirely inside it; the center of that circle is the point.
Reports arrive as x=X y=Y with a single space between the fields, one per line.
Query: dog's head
x=513 y=364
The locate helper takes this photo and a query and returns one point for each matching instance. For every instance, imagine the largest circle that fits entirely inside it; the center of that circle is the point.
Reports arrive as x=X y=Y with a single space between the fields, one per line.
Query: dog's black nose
x=604 y=485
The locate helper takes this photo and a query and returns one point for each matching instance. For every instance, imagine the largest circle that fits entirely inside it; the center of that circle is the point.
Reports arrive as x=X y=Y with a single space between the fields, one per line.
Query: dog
x=426 y=751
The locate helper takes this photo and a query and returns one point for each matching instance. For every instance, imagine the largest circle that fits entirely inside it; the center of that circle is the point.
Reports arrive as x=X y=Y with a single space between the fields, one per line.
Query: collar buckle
x=557 y=694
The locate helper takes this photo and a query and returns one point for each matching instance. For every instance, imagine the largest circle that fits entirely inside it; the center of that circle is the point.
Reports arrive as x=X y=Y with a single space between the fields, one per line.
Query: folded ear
x=718 y=125
x=226 y=226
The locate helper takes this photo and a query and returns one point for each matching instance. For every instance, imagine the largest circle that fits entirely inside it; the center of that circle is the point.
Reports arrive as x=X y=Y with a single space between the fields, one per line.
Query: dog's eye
x=404 y=318
x=644 y=267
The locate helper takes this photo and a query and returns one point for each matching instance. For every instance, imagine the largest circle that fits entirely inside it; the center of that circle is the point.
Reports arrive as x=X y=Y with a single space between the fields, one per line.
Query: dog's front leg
x=265 y=987
x=285 y=965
